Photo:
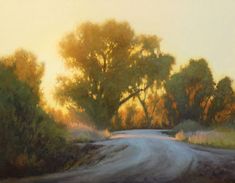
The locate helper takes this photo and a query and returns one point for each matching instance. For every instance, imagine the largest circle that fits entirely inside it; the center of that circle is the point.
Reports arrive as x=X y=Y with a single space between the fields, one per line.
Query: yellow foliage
x=26 y=68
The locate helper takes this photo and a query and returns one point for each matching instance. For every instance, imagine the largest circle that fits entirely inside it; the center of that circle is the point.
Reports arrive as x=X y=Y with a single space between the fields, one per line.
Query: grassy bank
x=213 y=136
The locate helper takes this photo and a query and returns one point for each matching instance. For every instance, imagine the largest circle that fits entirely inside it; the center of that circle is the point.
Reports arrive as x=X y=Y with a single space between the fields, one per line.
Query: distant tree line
x=192 y=94
x=123 y=80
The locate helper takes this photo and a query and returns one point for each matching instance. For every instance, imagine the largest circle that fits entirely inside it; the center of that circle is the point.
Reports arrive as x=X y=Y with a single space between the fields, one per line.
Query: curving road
x=136 y=156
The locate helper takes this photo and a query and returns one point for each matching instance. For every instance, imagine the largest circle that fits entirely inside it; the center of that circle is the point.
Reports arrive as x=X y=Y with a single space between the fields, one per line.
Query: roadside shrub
x=28 y=136
x=188 y=126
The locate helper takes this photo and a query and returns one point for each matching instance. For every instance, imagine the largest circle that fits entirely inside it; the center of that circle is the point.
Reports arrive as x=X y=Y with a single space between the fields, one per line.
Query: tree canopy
x=191 y=94
x=188 y=91
x=110 y=63
x=221 y=103
x=26 y=67
x=28 y=136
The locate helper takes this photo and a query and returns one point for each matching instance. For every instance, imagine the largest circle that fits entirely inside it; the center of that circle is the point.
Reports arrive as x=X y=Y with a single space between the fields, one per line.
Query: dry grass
x=83 y=134
x=180 y=136
x=216 y=138
x=105 y=133
x=220 y=138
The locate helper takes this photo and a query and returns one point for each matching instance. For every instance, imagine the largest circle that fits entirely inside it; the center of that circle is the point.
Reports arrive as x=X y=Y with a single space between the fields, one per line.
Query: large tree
x=149 y=98
x=188 y=91
x=109 y=63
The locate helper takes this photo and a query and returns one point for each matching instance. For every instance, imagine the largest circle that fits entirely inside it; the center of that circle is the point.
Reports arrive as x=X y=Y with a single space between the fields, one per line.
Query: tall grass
x=221 y=138
x=217 y=138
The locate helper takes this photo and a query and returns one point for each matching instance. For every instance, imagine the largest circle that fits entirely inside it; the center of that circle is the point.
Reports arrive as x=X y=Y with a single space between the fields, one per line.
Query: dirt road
x=147 y=156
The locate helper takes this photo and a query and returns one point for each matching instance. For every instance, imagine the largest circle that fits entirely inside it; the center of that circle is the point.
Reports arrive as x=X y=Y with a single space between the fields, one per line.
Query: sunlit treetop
x=112 y=62
x=27 y=68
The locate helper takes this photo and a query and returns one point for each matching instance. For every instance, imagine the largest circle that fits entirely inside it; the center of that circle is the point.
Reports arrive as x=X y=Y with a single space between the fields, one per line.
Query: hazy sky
x=188 y=28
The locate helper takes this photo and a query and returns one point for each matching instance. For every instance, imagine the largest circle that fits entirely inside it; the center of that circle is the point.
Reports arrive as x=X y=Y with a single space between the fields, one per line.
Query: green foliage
x=24 y=64
x=187 y=92
x=110 y=64
x=28 y=137
x=190 y=94
x=223 y=99
x=188 y=126
x=17 y=108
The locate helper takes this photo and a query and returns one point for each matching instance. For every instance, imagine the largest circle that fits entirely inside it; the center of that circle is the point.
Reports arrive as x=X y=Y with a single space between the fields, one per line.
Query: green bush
x=29 y=138
x=188 y=126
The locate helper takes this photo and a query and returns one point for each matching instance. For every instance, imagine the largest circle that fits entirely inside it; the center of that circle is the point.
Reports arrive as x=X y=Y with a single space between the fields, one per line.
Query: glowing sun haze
x=188 y=28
